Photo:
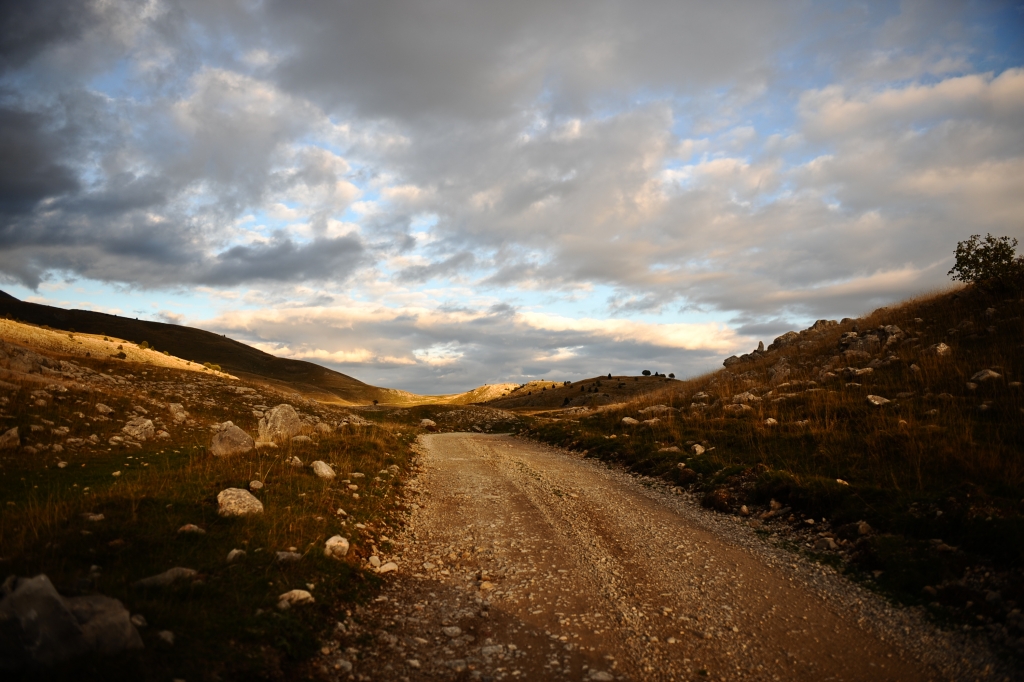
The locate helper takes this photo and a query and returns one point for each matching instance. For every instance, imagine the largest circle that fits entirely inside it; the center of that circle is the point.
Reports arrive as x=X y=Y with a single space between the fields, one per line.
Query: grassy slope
x=202 y=346
x=942 y=461
x=595 y=392
x=165 y=484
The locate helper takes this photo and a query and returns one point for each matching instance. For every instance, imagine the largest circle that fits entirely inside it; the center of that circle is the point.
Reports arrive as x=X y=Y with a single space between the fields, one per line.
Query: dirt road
x=526 y=562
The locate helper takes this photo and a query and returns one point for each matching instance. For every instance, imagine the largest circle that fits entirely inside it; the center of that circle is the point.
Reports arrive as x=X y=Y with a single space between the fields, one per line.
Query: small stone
x=698 y=449
x=323 y=470
x=295 y=462
x=601 y=676
x=486 y=585
x=301 y=440
x=337 y=547
x=191 y=528
x=940 y=349
x=255 y=485
x=744 y=511
x=140 y=429
x=863 y=528
x=116 y=474
x=452 y=631
x=412 y=662
x=288 y=557
x=236 y=554
x=629 y=421
x=294 y=598
x=93 y=517
x=971 y=386
x=428 y=424
x=389 y=567
x=167 y=577
x=139 y=621
x=823 y=544
x=375 y=561
x=10 y=439
x=878 y=400
x=985 y=375
x=103 y=409
x=238 y=502
x=166 y=636
x=771 y=421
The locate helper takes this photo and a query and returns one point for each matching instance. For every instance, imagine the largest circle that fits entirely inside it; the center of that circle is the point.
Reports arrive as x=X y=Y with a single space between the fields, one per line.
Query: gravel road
x=522 y=561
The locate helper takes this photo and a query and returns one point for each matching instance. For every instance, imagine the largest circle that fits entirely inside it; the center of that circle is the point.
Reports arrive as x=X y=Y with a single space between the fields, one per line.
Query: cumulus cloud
x=508 y=189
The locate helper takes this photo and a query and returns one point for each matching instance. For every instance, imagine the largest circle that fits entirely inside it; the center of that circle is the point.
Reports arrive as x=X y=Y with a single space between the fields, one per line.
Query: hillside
x=199 y=346
x=586 y=393
x=889 y=445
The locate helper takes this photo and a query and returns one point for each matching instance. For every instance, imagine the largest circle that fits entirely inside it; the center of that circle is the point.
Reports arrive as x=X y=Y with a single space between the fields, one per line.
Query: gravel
x=528 y=562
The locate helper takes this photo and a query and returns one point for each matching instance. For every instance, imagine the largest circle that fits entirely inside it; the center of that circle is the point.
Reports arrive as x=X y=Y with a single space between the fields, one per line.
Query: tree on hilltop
x=978 y=260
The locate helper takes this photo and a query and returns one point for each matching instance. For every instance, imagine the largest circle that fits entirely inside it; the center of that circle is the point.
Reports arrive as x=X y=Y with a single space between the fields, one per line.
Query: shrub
x=144 y=345
x=646 y=372
x=980 y=259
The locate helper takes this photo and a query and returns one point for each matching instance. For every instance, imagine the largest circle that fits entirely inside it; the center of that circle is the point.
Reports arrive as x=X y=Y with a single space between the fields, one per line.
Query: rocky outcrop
x=140 y=429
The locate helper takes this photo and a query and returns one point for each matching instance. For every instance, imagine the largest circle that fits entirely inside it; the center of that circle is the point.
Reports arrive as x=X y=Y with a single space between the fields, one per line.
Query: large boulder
x=280 y=423
x=53 y=629
x=139 y=429
x=237 y=502
x=229 y=441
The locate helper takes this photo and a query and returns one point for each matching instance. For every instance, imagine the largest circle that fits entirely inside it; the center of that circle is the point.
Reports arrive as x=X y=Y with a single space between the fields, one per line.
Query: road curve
x=550 y=566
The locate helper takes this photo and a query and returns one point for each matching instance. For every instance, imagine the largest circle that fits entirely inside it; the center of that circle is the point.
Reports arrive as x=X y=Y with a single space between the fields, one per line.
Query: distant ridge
x=201 y=346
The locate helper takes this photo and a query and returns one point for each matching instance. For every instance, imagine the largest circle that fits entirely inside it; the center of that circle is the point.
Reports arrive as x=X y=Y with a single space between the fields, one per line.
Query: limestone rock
x=301 y=440
x=104 y=409
x=54 y=629
x=337 y=547
x=878 y=400
x=389 y=567
x=323 y=470
x=237 y=502
x=10 y=439
x=738 y=410
x=985 y=375
x=629 y=421
x=428 y=424
x=235 y=554
x=280 y=423
x=178 y=413
x=140 y=429
x=231 y=441
x=294 y=598
x=939 y=349
x=295 y=462
x=288 y=557
x=697 y=448
x=167 y=577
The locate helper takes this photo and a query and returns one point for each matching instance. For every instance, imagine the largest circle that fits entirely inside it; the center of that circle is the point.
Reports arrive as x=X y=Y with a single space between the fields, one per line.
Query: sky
x=437 y=194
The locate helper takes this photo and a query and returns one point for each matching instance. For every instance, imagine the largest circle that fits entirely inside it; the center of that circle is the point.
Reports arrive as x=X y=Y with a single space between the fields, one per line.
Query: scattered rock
x=771 y=421
x=167 y=577
x=301 y=440
x=166 y=636
x=294 y=598
x=718 y=499
x=738 y=410
x=629 y=421
x=428 y=424
x=191 y=528
x=140 y=429
x=53 y=629
x=255 y=485
x=104 y=409
x=452 y=631
x=389 y=567
x=280 y=423
x=230 y=441
x=10 y=439
x=375 y=561
x=295 y=462
x=985 y=375
x=337 y=547
x=823 y=544
x=288 y=557
x=878 y=400
x=670 y=448
x=235 y=554
x=697 y=449
x=939 y=349
x=178 y=413
x=237 y=502
x=139 y=621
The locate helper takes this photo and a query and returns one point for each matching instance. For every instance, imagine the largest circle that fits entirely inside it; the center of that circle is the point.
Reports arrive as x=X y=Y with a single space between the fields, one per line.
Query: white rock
x=985 y=375
x=301 y=440
x=428 y=424
x=103 y=409
x=323 y=470
x=389 y=567
x=288 y=557
x=230 y=441
x=255 y=485
x=375 y=561
x=771 y=421
x=697 y=448
x=878 y=400
x=280 y=423
x=237 y=502
x=629 y=421
x=337 y=547
x=294 y=598
x=295 y=462
x=178 y=413
x=140 y=429
x=236 y=554
x=452 y=631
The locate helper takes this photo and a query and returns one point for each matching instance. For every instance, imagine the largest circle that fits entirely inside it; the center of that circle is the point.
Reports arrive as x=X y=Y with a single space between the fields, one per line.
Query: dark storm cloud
x=284 y=260
x=33 y=163
x=29 y=28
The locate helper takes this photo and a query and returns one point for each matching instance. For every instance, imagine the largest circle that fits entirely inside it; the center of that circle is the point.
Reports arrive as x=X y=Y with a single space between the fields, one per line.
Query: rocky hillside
x=890 y=444
x=587 y=393
x=163 y=520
